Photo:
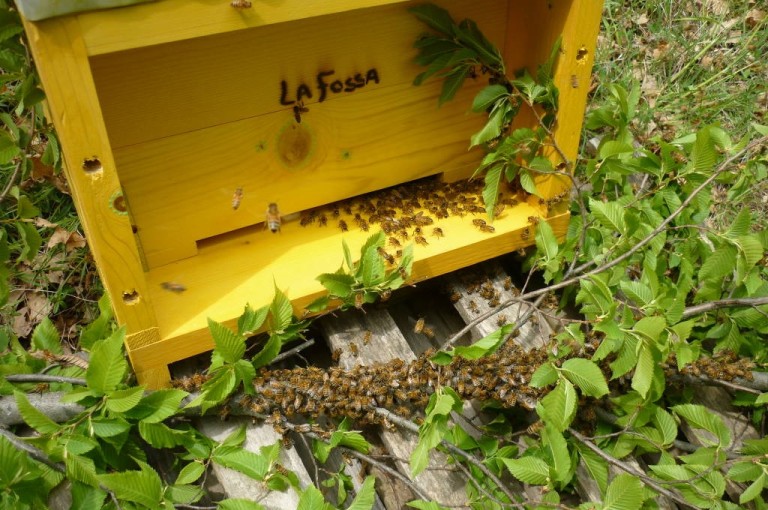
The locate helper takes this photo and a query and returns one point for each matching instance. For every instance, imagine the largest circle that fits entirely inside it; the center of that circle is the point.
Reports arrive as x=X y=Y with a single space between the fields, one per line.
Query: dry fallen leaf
x=70 y=240
x=642 y=20
x=754 y=17
x=42 y=222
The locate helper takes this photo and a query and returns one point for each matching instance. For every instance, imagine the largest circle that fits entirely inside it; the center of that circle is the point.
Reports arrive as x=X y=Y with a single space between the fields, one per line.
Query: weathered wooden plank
x=238 y=485
x=387 y=342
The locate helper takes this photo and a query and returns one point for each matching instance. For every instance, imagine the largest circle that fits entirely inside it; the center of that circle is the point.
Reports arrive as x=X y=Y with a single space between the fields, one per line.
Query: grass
x=696 y=62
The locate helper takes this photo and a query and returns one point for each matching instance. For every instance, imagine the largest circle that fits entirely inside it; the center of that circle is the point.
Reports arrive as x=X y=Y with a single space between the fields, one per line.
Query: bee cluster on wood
x=408 y=212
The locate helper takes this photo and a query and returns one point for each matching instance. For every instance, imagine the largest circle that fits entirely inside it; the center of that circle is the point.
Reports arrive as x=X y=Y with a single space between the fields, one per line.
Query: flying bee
x=241 y=4
x=298 y=109
x=420 y=240
x=353 y=349
x=419 y=327
x=533 y=220
x=367 y=337
x=438 y=232
x=343 y=226
x=236 y=198
x=487 y=228
x=273 y=220
x=173 y=287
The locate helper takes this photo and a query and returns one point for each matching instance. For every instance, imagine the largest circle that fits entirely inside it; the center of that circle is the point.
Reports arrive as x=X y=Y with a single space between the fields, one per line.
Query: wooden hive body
x=165 y=109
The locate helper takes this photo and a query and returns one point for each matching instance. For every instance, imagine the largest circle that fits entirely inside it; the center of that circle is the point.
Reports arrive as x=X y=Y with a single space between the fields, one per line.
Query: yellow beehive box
x=169 y=111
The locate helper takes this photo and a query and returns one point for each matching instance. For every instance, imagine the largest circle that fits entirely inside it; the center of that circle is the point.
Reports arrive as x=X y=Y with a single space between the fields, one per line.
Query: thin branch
x=723 y=303
x=43 y=378
x=669 y=493
x=33 y=452
x=13 y=178
x=291 y=352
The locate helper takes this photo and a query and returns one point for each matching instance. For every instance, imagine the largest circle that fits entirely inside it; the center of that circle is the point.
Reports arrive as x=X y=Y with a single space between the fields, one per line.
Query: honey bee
x=173 y=287
x=533 y=220
x=487 y=228
x=298 y=109
x=422 y=329
x=394 y=242
x=419 y=327
x=386 y=294
x=335 y=211
x=421 y=220
x=438 y=232
x=322 y=220
x=367 y=337
x=403 y=273
x=498 y=209
x=455 y=296
x=241 y=4
x=417 y=231
x=353 y=349
x=307 y=218
x=473 y=307
x=224 y=412
x=236 y=198
x=386 y=256
x=478 y=222
x=336 y=355
x=273 y=220
x=501 y=320
x=525 y=234
x=507 y=283
x=574 y=81
x=420 y=240
x=343 y=226
x=359 y=300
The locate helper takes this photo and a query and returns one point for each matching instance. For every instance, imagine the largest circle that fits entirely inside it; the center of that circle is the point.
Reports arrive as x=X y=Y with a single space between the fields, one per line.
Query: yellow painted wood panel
x=180 y=188
x=63 y=66
x=159 y=91
x=245 y=268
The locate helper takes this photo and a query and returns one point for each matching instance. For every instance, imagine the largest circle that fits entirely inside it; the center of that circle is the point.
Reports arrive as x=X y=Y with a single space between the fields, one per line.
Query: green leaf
x=109 y=427
x=30 y=240
x=430 y=435
x=251 y=320
x=637 y=292
x=229 y=346
x=666 y=425
x=311 y=499
x=545 y=375
x=160 y=435
x=245 y=461
x=33 y=417
x=215 y=389
x=269 y=352
x=754 y=490
x=546 y=242
x=143 y=487
x=339 y=285
x=107 y=367
x=158 y=405
x=557 y=448
x=190 y=473
x=559 y=405
x=435 y=17
x=610 y=214
x=8 y=148
x=372 y=268
x=624 y=493
x=425 y=505
x=596 y=466
x=46 y=337
x=282 y=311
x=488 y=96
x=365 y=495
x=85 y=497
x=25 y=209
x=238 y=504
x=718 y=264
x=100 y=327
x=704 y=153
x=492 y=128
x=700 y=417
x=530 y=470
x=586 y=375
x=120 y=401
x=491 y=190
x=81 y=469
x=527 y=182
x=641 y=380
x=453 y=82
x=484 y=346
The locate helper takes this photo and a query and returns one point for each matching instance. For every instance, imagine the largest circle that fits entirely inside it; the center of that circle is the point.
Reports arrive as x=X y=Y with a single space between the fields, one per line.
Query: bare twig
x=723 y=303
x=291 y=352
x=650 y=482
x=13 y=178
x=43 y=378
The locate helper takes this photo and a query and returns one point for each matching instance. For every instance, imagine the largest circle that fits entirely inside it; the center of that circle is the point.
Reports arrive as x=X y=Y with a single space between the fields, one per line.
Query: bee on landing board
x=298 y=109
x=237 y=198
x=240 y=4
x=273 y=220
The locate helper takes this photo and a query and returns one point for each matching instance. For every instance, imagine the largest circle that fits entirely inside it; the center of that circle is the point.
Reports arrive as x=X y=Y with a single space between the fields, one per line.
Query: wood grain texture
x=59 y=52
x=387 y=343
